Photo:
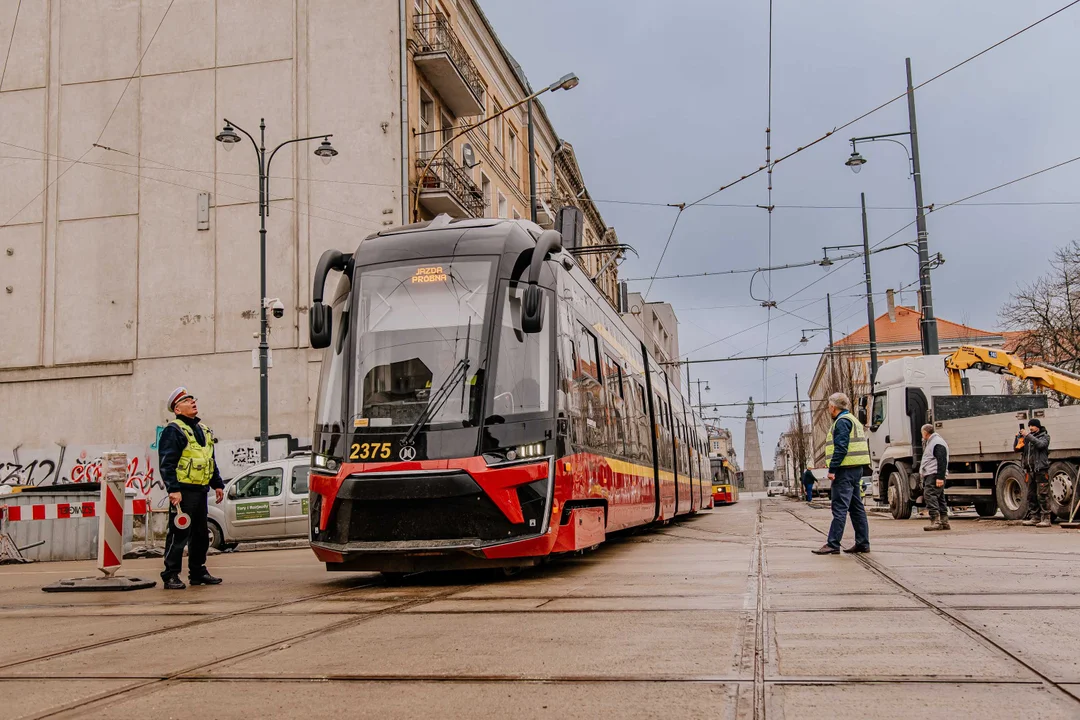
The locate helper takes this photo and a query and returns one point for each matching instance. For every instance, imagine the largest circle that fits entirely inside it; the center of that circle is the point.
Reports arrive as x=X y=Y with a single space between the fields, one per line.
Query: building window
x=512 y=151
x=502 y=205
x=485 y=190
x=498 y=125
x=427 y=125
x=517 y=215
x=447 y=134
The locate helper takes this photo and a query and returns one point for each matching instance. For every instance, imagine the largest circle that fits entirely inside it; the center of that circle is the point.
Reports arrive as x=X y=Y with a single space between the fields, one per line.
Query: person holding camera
x=188 y=467
x=1034 y=442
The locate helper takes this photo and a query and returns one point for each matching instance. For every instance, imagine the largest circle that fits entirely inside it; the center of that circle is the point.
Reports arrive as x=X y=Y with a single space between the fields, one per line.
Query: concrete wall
x=115 y=297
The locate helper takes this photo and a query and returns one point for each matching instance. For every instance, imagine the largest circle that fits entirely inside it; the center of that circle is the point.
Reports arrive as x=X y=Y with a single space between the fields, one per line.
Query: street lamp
x=566 y=82
x=228 y=137
x=928 y=324
x=856 y=161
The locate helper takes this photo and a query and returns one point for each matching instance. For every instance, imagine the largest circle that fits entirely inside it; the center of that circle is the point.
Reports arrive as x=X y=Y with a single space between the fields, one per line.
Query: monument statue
x=750 y=409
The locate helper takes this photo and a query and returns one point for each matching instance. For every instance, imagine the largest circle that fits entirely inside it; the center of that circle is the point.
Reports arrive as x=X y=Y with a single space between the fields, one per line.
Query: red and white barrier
x=111 y=529
x=65 y=511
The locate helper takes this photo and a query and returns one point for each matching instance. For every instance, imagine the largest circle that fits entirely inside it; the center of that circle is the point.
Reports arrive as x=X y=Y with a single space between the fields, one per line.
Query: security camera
x=276 y=306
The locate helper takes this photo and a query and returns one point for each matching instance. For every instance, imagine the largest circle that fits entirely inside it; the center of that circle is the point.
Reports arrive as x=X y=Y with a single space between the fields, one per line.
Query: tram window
x=523 y=374
x=417 y=325
x=588 y=362
x=641 y=398
x=613 y=374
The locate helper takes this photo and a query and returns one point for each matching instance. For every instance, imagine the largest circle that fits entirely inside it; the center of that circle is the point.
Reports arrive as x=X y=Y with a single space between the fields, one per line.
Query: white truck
x=980 y=428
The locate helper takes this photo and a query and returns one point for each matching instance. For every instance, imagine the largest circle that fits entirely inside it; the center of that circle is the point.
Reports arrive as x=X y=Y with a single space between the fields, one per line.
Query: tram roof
x=443 y=236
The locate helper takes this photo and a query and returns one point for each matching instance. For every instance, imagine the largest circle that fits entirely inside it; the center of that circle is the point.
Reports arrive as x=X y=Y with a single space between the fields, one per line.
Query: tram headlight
x=521 y=452
x=325 y=462
x=529 y=451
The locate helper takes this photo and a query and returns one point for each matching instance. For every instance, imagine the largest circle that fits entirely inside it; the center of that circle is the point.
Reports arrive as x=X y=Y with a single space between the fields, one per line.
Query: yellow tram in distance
x=725 y=491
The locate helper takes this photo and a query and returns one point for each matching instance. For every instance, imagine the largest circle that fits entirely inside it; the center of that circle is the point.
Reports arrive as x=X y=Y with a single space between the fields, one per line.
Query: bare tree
x=1047 y=314
x=845 y=373
x=799 y=434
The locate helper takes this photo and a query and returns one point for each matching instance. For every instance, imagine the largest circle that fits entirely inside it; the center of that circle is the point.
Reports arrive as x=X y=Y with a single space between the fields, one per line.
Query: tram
x=724 y=489
x=481 y=404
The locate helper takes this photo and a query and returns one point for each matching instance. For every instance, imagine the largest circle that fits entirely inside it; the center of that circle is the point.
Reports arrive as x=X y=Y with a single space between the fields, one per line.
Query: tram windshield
x=418 y=325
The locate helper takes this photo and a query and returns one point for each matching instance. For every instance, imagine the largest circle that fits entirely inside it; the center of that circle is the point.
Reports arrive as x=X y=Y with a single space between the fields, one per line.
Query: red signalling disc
x=182 y=521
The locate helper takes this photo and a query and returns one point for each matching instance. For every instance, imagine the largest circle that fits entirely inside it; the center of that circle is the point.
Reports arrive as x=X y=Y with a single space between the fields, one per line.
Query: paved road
x=723 y=615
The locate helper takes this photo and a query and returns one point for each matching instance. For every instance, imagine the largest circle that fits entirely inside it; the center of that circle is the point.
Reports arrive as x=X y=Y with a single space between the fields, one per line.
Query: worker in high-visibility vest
x=188 y=468
x=848 y=452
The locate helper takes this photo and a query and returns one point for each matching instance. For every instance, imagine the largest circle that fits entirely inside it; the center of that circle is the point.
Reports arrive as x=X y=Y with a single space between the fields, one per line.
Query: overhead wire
x=885 y=104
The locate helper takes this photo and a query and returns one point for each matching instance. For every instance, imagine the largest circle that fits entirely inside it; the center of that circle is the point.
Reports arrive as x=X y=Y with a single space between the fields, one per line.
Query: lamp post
x=566 y=82
x=934 y=262
x=326 y=152
x=928 y=323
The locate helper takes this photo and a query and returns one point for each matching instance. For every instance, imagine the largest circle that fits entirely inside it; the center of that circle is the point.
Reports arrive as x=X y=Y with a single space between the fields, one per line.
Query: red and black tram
x=482 y=405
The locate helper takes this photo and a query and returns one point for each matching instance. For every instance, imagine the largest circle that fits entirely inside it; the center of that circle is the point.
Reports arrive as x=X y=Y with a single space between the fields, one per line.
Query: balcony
x=546 y=208
x=447 y=188
x=441 y=57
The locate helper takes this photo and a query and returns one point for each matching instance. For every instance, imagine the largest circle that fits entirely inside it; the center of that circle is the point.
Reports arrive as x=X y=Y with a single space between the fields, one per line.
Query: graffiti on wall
x=63 y=464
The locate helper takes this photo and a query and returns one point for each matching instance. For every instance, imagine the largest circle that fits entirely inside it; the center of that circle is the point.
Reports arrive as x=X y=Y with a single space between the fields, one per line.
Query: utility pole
x=828 y=306
x=869 y=296
x=929 y=322
x=801 y=437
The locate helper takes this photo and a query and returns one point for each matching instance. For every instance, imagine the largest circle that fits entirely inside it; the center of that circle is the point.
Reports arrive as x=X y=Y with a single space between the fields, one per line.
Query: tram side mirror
x=320 y=321
x=319 y=318
x=532 y=310
x=862 y=409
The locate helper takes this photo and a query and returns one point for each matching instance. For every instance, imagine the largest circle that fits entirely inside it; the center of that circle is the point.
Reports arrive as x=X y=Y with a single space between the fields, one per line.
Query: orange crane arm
x=997 y=361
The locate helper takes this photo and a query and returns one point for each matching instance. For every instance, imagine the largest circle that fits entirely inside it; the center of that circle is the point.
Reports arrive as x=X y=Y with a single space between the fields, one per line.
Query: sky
x=674 y=102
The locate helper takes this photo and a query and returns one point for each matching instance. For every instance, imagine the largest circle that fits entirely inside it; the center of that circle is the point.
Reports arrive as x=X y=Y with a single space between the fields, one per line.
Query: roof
x=906 y=330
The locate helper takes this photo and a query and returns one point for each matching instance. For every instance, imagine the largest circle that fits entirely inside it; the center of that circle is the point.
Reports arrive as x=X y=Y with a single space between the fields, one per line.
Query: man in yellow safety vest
x=848 y=453
x=188 y=467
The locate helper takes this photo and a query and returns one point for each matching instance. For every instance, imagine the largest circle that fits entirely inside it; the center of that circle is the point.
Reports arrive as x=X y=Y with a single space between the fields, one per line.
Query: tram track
x=950 y=617
x=203 y=620
x=147 y=684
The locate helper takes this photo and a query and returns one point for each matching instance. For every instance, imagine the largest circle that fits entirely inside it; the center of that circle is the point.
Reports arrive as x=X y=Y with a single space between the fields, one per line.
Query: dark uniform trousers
x=195 y=537
x=1038 y=493
x=934 y=496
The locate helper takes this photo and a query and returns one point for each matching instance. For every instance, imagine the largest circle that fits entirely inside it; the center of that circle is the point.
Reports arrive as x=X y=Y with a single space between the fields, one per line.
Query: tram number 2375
x=370 y=451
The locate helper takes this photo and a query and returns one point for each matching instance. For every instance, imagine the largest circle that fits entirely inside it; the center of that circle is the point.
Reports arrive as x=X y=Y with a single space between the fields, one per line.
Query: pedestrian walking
x=934 y=470
x=808 y=484
x=848 y=451
x=188 y=467
x=1035 y=444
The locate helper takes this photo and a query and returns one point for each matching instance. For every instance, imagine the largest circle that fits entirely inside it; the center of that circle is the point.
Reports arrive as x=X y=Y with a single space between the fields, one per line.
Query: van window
x=300 y=475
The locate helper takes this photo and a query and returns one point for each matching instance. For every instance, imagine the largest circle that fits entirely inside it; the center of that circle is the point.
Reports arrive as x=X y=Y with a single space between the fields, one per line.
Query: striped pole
x=114 y=472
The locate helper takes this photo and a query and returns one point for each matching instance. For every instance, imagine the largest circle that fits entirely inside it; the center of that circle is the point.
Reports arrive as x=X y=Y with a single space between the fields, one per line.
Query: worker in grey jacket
x=935 y=463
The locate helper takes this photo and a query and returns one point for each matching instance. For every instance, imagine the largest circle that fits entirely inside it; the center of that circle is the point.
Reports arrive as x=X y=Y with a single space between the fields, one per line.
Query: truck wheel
x=899 y=496
x=986 y=508
x=1011 y=492
x=1062 y=488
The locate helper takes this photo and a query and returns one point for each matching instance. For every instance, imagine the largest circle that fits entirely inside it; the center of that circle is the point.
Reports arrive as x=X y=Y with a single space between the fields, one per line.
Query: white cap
x=176 y=396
